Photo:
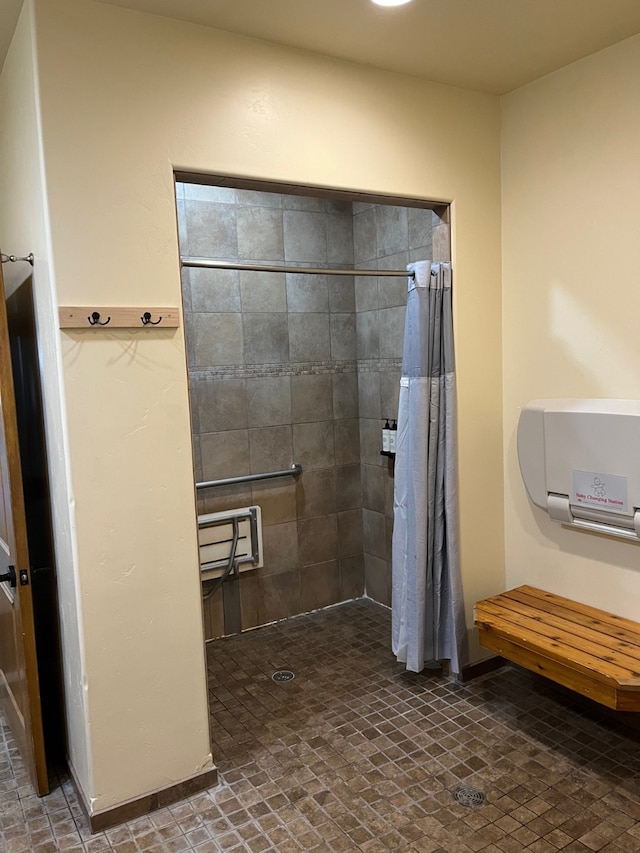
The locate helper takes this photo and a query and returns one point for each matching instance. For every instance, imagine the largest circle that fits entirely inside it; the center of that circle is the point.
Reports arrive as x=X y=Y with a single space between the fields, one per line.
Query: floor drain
x=283 y=675
x=468 y=796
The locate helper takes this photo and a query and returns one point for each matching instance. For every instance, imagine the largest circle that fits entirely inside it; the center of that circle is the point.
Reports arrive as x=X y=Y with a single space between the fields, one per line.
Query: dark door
x=19 y=684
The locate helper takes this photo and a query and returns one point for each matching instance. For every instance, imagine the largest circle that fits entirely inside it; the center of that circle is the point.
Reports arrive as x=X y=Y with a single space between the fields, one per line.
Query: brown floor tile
x=354 y=754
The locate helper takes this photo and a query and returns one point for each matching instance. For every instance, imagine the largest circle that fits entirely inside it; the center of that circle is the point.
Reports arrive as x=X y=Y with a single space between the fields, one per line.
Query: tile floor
x=354 y=754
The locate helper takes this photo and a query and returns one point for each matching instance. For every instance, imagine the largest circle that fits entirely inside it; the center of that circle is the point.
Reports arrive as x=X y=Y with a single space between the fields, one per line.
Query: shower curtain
x=427 y=605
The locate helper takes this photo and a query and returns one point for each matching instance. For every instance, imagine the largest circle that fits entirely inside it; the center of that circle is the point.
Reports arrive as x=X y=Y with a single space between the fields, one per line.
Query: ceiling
x=487 y=45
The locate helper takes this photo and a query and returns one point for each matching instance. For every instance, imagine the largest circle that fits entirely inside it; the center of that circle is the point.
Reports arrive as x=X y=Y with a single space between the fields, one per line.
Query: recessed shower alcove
x=298 y=368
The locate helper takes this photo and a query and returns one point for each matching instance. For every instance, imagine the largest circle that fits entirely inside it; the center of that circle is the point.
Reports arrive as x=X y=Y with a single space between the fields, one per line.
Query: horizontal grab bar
x=249 y=478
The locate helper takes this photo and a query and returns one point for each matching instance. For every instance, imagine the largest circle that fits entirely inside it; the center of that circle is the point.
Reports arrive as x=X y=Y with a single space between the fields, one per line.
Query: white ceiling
x=488 y=45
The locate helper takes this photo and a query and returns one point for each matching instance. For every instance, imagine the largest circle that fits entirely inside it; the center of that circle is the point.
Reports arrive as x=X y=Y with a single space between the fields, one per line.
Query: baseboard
x=139 y=806
x=482 y=667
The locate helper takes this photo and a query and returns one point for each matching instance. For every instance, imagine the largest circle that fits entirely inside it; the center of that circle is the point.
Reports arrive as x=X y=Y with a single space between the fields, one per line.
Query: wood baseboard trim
x=140 y=806
x=482 y=667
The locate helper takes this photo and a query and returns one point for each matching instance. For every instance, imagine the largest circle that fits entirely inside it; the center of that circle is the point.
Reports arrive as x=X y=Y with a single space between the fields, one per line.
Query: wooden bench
x=583 y=648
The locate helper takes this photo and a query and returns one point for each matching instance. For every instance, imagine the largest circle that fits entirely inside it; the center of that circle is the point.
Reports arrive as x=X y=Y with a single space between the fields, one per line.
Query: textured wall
x=571 y=299
x=126 y=99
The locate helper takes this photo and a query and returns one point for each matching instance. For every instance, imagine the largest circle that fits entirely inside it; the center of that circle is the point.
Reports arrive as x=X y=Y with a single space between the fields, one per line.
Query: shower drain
x=283 y=675
x=468 y=796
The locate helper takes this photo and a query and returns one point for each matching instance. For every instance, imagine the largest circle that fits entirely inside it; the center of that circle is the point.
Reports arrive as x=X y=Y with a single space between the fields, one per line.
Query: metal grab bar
x=249 y=478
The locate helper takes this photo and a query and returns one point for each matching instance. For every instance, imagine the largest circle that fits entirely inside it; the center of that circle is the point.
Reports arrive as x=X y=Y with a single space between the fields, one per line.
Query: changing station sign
x=600 y=491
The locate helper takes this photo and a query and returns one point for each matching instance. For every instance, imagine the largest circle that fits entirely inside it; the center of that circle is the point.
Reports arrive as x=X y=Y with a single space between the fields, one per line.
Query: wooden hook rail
x=118 y=317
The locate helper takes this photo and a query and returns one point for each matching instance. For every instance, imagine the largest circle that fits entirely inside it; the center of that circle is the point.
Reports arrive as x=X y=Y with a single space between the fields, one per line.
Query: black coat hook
x=94 y=319
x=147 y=321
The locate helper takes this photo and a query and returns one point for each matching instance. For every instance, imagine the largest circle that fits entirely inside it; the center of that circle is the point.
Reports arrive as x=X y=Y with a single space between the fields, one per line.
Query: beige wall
x=126 y=98
x=24 y=229
x=571 y=196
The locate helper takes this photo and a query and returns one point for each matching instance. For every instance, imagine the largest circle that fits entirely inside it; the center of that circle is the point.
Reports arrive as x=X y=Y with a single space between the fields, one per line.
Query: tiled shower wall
x=288 y=368
x=272 y=368
x=385 y=237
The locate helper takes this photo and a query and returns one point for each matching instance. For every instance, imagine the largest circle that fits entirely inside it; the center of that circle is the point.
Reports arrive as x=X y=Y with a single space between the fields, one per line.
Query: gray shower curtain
x=427 y=605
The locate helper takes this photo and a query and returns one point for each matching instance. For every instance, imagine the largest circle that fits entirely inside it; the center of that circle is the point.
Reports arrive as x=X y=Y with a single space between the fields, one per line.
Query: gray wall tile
x=270 y=448
x=339 y=240
x=391 y=331
x=309 y=337
x=419 y=222
x=352 y=577
x=366 y=292
x=223 y=498
x=302 y=202
x=364 y=235
x=183 y=239
x=202 y=192
x=218 y=339
x=280 y=544
x=307 y=293
x=373 y=480
x=318 y=539
x=374 y=533
x=343 y=336
x=348 y=487
x=389 y=393
x=368 y=335
x=260 y=234
x=221 y=404
x=320 y=585
x=392 y=229
x=305 y=237
x=257 y=198
x=211 y=230
x=342 y=297
x=347 y=441
x=377 y=579
x=216 y=291
x=276 y=498
x=269 y=401
x=266 y=338
x=263 y=292
x=369 y=395
x=313 y=446
x=350 y=532
x=345 y=395
x=224 y=454
x=279 y=596
x=370 y=441
x=316 y=493
x=311 y=398
x=250 y=594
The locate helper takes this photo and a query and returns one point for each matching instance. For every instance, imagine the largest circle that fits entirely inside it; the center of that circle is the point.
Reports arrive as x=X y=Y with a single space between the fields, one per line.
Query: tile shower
x=287 y=367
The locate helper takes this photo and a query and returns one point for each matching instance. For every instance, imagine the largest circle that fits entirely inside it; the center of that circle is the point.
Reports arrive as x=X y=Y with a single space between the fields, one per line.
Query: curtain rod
x=207 y=263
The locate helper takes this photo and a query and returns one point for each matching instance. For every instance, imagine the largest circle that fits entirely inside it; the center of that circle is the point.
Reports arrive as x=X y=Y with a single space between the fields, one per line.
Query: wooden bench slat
x=584 y=609
x=586 y=649
x=629 y=641
x=580 y=637
x=493 y=620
